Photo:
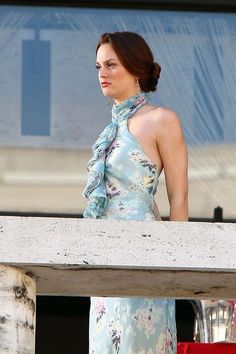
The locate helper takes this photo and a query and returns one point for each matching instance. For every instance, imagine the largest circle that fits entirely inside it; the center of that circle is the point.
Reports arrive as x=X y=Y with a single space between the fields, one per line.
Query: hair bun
x=156 y=70
x=150 y=82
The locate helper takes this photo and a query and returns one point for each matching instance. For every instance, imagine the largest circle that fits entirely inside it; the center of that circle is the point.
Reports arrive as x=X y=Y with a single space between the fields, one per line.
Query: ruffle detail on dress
x=94 y=181
x=96 y=205
x=95 y=189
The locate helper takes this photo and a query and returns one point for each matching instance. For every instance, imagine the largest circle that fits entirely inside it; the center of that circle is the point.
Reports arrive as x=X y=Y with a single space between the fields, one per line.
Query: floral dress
x=131 y=325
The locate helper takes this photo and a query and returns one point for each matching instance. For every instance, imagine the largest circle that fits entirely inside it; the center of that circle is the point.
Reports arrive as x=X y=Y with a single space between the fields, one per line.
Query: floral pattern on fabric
x=131 y=325
x=112 y=189
x=100 y=311
x=146 y=320
x=165 y=343
x=137 y=155
x=115 y=333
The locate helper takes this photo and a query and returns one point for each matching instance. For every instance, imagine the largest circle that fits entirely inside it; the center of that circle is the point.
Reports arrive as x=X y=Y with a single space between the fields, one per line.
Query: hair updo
x=136 y=56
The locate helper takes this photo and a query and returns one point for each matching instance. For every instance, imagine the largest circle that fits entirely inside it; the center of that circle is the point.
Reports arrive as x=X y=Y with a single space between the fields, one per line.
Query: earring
x=139 y=89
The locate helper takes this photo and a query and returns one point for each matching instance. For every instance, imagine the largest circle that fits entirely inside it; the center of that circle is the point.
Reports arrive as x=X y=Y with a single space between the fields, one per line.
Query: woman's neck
x=125 y=97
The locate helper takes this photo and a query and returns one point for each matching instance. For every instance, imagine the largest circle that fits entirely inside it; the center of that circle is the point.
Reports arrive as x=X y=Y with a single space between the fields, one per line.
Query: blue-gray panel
x=36 y=64
x=208 y=83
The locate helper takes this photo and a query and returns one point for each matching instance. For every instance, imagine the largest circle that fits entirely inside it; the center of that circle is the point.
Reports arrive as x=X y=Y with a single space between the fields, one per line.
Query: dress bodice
x=131 y=179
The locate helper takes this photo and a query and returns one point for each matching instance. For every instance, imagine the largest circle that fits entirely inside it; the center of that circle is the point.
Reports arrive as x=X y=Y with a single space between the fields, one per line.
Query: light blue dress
x=131 y=325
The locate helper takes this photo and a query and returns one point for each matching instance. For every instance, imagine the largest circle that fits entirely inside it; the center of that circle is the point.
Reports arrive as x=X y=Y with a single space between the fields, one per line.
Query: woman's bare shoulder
x=163 y=117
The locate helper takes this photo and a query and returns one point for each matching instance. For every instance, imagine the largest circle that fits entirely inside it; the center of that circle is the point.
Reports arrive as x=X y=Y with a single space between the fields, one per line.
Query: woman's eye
x=97 y=66
x=111 y=65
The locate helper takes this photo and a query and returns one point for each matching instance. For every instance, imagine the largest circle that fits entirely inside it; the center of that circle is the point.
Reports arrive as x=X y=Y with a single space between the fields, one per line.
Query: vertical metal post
x=218 y=214
x=17 y=311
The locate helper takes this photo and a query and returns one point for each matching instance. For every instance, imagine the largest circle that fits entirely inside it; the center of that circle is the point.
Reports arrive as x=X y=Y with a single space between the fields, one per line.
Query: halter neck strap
x=128 y=107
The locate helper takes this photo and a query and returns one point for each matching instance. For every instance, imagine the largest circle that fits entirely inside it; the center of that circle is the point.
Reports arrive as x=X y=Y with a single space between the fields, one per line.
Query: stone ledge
x=119 y=258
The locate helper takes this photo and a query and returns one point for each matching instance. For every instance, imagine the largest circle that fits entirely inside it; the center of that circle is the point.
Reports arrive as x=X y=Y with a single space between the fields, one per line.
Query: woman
x=128 y=157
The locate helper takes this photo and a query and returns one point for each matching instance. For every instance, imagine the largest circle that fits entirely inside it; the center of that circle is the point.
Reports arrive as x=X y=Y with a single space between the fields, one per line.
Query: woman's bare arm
x=173 y=152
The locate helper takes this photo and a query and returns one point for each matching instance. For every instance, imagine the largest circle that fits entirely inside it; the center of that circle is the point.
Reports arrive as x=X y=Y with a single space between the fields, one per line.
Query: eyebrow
x=106 y=61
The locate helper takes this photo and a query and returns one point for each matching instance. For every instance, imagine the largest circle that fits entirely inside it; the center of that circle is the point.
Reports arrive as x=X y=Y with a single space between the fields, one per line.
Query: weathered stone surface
x=118 y=258
x=17 y=311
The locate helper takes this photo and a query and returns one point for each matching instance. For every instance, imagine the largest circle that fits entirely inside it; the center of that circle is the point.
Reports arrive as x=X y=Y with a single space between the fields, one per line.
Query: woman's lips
x=105 y=84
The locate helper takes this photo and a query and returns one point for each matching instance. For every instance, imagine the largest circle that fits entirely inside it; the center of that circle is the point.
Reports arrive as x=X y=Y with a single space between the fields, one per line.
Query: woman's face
x=115 y=80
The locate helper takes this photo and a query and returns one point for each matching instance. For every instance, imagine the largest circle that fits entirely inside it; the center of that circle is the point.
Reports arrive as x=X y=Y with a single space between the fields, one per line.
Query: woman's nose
x=103 y=72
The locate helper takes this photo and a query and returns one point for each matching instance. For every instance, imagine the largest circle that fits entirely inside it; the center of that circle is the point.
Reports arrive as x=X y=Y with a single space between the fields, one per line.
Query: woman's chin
x=106 y=92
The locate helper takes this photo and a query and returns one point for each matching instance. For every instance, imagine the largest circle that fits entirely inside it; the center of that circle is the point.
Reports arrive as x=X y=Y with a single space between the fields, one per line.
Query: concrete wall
x=51 y=180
